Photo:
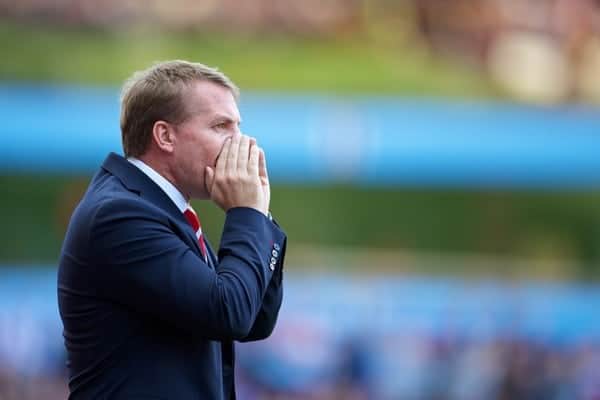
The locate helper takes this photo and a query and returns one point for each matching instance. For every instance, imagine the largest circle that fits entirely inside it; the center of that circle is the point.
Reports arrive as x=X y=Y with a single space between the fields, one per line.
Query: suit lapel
x=212 y=257
x=137 y=181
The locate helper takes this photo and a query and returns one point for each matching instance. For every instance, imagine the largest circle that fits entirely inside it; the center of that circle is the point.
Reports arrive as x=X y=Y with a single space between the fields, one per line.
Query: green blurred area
x=266 y=62
x=555 y=229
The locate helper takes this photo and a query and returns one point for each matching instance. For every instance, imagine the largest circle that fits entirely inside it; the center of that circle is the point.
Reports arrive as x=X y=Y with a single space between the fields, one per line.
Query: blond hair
x=157 y=93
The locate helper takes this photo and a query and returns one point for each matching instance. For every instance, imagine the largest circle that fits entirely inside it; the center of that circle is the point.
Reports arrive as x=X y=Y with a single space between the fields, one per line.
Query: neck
x=164 y=169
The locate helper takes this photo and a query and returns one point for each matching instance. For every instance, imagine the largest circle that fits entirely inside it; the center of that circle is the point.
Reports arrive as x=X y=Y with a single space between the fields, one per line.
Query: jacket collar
x=136 y=181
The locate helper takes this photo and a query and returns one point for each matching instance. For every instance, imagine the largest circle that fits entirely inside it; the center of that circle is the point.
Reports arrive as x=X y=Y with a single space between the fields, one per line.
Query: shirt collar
x=171 y=191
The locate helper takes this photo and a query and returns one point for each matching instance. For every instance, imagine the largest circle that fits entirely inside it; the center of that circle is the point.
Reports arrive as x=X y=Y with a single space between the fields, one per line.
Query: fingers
x=262 y=168
x=209 y=179
x=239 y=178
x=232 y=156
x=243 y=155
x=253 y=161
x=223 y=156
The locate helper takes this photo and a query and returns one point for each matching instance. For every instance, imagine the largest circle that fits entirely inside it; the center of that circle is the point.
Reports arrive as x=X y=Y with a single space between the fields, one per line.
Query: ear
x=163 y=135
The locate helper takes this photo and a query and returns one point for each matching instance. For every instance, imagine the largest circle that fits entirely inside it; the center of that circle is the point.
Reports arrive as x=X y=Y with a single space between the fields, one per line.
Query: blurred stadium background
x=435 y=164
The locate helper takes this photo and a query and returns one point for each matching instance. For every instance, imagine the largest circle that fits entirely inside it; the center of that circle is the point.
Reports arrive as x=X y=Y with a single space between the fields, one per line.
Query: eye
x=221 y=125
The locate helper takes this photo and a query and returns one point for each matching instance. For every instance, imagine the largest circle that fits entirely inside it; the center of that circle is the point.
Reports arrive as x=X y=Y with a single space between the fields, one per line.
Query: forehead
x=208 y=99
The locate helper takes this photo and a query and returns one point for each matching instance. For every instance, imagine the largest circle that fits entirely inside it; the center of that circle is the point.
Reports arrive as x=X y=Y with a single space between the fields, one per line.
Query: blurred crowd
x=438 y=367
x=310 y=16
x=538 y=50
x=370 y=338
x=408 y=367
x=542 y=51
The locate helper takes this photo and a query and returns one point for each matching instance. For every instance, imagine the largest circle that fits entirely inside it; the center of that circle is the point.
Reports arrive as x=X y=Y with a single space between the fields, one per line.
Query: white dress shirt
x=171 y=191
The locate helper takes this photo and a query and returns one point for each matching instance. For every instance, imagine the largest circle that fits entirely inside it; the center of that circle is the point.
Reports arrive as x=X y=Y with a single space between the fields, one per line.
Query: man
x=149 y=310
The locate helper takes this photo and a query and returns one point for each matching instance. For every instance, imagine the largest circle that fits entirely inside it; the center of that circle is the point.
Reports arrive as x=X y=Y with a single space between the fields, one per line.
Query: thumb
x=209 y=178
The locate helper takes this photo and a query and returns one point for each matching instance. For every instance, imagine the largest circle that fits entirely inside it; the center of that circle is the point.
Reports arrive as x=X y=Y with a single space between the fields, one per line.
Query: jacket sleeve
x=267 y=316
x=146 y=267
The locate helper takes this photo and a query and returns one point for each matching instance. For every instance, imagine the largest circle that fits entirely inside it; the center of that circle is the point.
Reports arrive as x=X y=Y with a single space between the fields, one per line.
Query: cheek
x=192 y=160
x=214 y=150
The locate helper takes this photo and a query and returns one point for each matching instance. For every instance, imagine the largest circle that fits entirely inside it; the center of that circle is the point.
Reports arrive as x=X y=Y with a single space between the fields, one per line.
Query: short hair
x=157 y=93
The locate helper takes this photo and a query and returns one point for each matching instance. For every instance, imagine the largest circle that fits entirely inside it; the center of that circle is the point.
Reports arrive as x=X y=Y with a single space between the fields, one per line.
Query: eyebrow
x=224 y=118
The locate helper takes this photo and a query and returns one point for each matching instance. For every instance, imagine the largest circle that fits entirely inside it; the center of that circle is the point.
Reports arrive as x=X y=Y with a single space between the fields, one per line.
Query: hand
x=239 y=179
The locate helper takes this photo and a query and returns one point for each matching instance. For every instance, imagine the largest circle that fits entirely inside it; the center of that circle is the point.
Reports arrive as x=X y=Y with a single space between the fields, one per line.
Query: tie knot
x=194 y=221
x=192 y=218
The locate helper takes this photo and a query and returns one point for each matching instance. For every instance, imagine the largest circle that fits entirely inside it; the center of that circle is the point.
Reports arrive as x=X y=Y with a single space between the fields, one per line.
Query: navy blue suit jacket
x=144 y=316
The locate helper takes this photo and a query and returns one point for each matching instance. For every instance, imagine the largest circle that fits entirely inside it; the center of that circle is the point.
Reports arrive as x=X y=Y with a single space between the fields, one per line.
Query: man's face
x=214 y=118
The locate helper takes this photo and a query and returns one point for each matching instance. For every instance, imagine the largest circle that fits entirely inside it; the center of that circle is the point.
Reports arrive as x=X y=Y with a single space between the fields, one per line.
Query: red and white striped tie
x=194 y=221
